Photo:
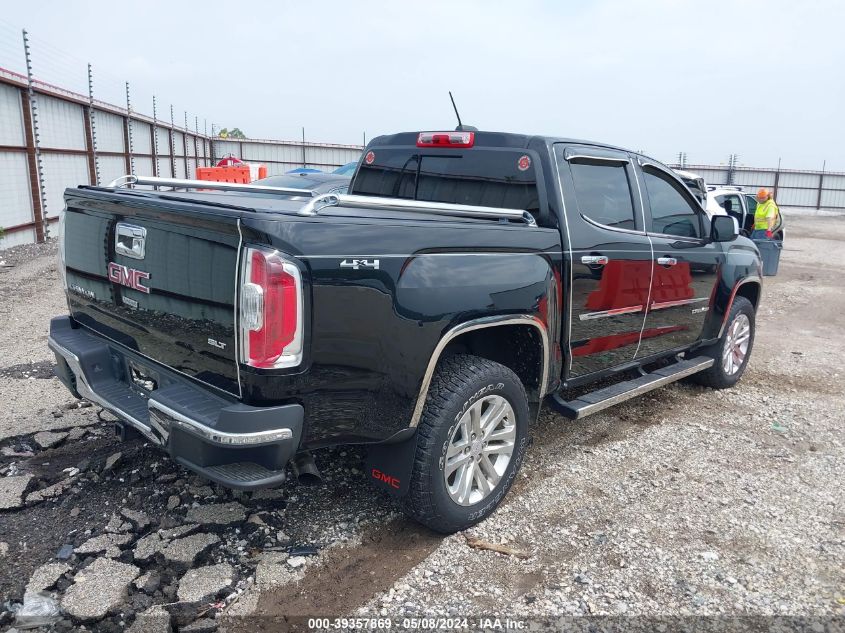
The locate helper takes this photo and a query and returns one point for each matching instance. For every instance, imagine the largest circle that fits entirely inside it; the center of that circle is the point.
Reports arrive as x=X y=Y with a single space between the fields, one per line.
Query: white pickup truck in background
x=727 y=200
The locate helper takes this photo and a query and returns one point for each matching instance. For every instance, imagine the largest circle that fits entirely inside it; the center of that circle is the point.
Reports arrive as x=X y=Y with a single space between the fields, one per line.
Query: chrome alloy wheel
x=736 y=344
x=480 y=450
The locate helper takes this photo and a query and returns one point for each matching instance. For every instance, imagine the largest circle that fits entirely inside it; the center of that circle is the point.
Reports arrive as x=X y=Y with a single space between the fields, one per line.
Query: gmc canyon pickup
x=467 y=278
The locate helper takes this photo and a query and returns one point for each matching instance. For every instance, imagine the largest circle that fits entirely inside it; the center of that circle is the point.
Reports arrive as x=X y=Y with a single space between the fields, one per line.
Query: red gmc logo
x=390 y=481
x=128 y=277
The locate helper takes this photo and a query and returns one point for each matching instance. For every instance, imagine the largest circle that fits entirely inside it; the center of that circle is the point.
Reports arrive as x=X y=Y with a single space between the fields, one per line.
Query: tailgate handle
x=130 y=240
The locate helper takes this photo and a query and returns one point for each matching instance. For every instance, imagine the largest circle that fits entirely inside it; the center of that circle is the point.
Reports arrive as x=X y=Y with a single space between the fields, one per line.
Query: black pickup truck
x=467 y=278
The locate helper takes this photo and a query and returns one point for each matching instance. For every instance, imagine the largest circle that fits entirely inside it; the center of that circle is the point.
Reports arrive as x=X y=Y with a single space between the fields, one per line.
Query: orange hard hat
x=762 y=194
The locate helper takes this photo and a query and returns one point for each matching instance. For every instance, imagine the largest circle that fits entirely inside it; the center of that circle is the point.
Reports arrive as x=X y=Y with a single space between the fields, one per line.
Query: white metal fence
x=790 y=187
x=59 y=140
x=54 y=136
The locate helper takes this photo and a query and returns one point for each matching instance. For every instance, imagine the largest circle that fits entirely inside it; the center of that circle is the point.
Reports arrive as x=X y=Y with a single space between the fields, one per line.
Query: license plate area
x=142 y=379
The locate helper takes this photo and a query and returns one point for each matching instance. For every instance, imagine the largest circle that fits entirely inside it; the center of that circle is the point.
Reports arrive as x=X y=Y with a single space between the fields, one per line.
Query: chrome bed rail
x=420 y=206
x=313 y=206
x=181 y=183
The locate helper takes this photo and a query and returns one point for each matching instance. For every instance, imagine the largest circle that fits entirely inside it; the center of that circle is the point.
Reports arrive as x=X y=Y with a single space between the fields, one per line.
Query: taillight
x=446 y=139
x=271 y=310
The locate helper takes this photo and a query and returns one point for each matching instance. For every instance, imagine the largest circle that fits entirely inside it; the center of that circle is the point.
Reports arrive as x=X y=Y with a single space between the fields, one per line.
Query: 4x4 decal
x=355 y=264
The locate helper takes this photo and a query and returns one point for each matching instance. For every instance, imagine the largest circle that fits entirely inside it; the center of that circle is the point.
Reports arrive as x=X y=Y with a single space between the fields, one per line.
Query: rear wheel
x=733 y=350
x=471 y=442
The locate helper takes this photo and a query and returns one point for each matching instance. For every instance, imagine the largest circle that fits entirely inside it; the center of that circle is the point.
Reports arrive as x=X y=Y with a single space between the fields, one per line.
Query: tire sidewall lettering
x=441 y=462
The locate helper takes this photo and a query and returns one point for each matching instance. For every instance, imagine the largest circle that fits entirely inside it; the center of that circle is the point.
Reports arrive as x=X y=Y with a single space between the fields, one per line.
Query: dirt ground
x=683 y=502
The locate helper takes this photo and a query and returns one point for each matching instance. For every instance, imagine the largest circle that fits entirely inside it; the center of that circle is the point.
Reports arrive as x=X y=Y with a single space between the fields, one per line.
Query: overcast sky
x=761 y=78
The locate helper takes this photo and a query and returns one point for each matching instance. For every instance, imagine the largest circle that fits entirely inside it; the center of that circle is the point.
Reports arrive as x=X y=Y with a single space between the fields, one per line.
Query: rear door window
x=484 y=177
x=603 y=192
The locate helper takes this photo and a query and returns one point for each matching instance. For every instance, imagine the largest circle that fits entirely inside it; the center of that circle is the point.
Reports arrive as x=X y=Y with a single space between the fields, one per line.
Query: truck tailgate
x=162 y=284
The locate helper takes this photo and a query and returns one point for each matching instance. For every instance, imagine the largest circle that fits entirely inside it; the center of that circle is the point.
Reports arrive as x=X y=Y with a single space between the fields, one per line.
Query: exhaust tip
x=305 y=470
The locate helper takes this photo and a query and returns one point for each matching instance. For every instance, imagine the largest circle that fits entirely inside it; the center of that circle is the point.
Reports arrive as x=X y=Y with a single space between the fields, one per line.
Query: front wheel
x=471 y=442
x=733 y=350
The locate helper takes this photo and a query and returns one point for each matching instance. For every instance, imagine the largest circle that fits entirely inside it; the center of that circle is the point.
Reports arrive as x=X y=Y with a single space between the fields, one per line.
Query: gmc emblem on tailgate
x=128 y=277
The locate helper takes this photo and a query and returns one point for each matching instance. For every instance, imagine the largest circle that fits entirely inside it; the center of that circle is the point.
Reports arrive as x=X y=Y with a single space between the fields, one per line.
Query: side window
x=751 y=201
x=604 y=193
x=730 y=203
x=671 y=212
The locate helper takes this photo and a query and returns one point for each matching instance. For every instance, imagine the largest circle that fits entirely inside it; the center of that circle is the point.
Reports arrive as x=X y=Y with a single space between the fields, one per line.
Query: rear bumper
x=234 y=444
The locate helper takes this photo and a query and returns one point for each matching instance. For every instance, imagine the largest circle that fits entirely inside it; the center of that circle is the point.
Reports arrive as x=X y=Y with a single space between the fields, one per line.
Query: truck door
x=611 y=259
x=686 y=263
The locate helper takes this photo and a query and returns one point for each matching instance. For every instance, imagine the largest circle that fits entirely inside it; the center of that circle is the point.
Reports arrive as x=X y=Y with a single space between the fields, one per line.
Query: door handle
x=667 y=261
x=595 y=260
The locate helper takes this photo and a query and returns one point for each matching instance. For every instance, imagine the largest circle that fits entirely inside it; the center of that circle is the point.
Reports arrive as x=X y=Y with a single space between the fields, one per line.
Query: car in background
x=734 y=201
x=319 y=182
x=694 y=183
x=304 y=170
x=346 y=170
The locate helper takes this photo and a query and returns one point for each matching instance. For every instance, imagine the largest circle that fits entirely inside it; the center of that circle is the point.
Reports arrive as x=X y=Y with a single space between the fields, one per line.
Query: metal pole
x=172 y=145
x=92 y=131
x=129 y=127
x=211 y=145
x=365 y=139
x=185 y=145
x=732 y=161
x=777 y=180
x=196 y=144
x=155 y=138
x=36 y=166
x=821 y=183
x=303 y=147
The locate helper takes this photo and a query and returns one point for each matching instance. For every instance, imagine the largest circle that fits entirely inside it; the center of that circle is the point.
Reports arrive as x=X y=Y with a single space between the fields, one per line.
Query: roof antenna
x=461 y=127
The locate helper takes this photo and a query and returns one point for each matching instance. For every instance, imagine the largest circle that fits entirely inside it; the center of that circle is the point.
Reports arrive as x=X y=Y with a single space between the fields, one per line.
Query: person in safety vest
x=765 y=216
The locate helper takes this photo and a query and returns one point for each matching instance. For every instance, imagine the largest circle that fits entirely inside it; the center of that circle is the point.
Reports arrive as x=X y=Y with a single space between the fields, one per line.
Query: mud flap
x=389 y=466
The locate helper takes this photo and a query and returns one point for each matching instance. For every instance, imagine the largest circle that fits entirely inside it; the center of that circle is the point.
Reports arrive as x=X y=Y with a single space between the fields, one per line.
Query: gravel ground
x=684 y=502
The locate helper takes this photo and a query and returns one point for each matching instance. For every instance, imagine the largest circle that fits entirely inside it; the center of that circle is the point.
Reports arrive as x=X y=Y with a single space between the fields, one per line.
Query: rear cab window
x=604 y=193
x=481 y=175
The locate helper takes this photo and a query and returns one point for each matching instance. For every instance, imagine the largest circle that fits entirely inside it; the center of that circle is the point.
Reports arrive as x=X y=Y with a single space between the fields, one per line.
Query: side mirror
x=724 y=228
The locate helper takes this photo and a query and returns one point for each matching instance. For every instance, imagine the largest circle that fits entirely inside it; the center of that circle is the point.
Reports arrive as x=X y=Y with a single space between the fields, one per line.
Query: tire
x=719 y=376
x=466 y=389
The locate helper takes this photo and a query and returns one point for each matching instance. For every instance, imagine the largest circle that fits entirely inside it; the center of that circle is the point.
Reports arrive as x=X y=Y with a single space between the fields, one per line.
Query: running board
x=614 y=394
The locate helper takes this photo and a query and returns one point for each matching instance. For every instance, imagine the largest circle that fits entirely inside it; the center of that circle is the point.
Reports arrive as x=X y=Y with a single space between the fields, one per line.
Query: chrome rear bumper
x=205 y=432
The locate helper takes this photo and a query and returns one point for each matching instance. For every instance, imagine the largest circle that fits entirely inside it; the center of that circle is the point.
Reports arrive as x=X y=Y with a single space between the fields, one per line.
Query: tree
x=235 y=132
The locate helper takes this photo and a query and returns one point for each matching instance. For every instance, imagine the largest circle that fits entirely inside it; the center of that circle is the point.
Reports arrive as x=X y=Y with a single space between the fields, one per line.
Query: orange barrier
x=239 y=175
x=233 y=170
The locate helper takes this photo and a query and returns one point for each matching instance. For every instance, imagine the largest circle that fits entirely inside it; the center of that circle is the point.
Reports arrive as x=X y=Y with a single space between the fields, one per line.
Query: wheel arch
x=750 y=288
x=519 y=342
